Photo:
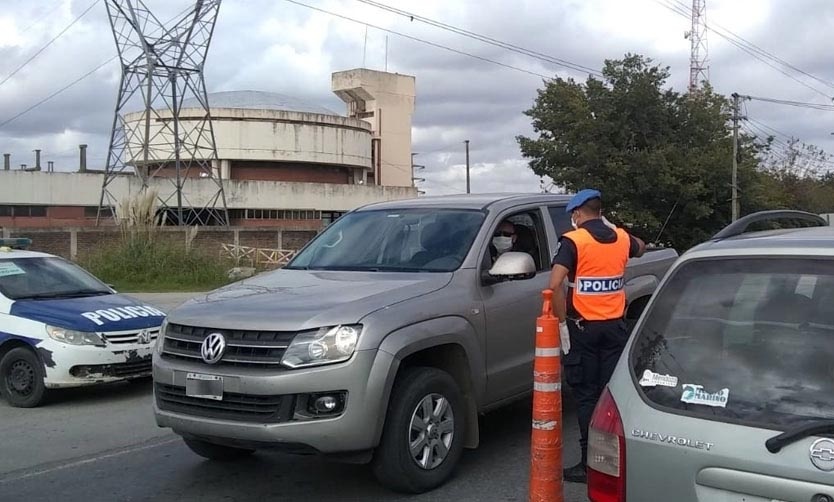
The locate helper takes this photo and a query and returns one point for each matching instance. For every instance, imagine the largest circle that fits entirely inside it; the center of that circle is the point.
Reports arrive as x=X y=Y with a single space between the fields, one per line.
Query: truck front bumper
x=266 y=407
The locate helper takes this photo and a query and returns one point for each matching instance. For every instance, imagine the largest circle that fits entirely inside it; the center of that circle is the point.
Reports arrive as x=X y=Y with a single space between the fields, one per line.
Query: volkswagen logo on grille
x=144 y=337
x=822 y=454
x=213 y=348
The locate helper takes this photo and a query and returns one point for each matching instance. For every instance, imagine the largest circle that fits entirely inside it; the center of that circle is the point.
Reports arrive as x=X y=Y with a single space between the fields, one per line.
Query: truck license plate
x=204 y=386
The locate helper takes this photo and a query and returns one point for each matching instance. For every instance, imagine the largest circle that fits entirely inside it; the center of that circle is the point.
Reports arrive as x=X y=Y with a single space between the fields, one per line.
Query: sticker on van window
x=652 y=379
x=9 y=268
x=695 y=394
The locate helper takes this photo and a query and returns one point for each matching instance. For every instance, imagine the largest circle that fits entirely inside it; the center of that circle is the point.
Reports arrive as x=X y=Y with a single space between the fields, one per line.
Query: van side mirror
x=511 y=266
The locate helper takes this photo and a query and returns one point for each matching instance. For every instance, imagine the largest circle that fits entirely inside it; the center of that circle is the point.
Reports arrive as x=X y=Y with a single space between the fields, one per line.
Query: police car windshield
x=393 y=240
x=47 y=277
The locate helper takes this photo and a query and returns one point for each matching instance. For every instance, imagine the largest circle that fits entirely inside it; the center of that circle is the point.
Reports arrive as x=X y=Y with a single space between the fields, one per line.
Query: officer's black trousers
x=595 y=348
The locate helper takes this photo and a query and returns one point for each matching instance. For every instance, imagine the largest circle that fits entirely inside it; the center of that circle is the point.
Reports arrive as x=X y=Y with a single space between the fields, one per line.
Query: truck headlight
x=160 y=338
x=327 y=345
x=72 y=337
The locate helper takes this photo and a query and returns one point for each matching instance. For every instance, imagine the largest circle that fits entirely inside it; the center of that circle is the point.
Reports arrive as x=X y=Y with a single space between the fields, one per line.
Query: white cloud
x=278 y=46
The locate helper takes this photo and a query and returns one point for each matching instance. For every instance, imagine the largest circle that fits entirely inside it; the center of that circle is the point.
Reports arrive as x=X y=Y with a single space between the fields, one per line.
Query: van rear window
x=745 y=340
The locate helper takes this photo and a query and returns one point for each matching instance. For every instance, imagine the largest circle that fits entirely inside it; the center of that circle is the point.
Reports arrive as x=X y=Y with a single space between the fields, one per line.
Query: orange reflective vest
x=598 y=287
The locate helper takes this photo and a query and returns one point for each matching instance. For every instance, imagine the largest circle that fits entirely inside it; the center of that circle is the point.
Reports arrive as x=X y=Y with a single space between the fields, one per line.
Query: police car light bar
x=16 y=243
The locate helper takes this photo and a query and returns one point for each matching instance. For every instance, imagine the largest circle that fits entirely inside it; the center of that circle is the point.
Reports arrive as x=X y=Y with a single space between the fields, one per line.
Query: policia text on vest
x=592 y=260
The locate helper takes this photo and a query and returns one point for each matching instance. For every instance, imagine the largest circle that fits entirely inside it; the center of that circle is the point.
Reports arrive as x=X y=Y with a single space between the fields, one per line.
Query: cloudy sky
x=275 y=45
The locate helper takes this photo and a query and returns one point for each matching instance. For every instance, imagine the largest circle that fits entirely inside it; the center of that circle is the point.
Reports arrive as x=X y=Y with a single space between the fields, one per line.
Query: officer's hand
x=564 y=335
x=608 y=223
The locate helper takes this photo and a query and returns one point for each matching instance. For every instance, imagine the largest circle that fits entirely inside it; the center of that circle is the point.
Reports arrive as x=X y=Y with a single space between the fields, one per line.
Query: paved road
x=101 y=444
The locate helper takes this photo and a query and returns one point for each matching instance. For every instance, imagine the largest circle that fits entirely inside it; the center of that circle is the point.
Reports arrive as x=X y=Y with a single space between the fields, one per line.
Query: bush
x=152 y=266
x=143 y=262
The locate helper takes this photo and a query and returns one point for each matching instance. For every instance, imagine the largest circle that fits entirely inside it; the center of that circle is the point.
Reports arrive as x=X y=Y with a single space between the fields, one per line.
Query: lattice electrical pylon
x=698 y=68
x=163 y=63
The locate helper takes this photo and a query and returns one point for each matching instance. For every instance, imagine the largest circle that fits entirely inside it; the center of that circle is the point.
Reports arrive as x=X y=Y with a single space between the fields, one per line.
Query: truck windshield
x=745 y=340
x=42 y=278
x=402 y=240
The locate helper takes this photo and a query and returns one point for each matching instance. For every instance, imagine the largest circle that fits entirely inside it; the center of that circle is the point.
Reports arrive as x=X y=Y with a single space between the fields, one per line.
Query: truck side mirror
x=511 y=266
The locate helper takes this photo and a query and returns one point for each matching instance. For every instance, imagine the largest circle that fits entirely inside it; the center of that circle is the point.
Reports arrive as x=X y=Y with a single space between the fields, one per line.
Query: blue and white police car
x=62 y=327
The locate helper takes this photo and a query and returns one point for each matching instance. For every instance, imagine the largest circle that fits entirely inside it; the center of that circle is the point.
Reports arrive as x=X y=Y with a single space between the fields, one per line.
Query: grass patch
x=143 y=261
x=153 y=267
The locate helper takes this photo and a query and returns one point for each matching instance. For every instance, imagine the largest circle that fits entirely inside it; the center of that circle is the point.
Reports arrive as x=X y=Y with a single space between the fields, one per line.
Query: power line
x=56 y=37
x=55 y=6
x=59 y=91
x=799 y=104
x=422 y=41
x=486 y=39
x=750 y=49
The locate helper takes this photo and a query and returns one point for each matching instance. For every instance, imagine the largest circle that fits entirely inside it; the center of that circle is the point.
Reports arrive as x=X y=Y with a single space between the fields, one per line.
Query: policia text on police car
x=593 y=258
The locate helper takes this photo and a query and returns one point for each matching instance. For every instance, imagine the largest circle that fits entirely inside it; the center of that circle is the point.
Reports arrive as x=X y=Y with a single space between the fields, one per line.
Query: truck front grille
x=262 y=349
x=236 y=407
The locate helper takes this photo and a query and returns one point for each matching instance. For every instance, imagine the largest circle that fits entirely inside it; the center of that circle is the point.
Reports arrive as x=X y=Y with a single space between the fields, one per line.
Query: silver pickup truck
x=381 y=341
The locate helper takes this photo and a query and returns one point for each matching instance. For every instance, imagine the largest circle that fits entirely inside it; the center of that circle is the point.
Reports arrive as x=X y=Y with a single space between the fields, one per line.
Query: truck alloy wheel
x=431 y=431
x=22 y=378
x=422 y=439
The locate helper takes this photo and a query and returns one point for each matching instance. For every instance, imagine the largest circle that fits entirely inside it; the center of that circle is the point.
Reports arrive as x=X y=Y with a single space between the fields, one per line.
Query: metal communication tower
x=163 y=63
x=698 y=69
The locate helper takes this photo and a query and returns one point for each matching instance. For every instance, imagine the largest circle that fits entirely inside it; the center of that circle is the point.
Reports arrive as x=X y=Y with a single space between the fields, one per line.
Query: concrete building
x=386 y=102
x=283 y=162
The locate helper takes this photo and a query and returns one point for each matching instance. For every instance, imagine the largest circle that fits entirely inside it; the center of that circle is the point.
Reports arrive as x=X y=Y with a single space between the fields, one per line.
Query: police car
x=61 y=327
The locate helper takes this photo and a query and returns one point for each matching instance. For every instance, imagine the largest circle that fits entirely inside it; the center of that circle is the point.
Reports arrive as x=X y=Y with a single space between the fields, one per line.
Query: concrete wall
x=386 y=101
x=266 y=135
x=84 y=189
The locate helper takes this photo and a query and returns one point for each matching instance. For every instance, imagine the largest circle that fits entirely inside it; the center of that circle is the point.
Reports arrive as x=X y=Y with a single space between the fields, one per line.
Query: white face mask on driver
x=502 y=244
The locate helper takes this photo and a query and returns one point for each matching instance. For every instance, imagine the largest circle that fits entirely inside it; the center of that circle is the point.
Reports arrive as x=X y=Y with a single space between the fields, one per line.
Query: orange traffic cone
x=546 y=447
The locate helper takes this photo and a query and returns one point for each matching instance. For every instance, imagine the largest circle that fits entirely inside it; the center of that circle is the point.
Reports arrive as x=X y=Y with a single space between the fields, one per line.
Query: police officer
x=593 y=258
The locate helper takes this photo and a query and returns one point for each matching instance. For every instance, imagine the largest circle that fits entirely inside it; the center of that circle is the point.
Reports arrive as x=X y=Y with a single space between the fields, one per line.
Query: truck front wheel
x=422 y=440
x=215 y=451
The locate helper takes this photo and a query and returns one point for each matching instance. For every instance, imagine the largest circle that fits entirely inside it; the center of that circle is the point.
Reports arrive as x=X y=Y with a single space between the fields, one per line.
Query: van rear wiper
x=776 y=443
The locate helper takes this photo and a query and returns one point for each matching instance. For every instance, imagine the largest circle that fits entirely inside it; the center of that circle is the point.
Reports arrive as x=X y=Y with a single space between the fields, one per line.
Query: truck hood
x=293 y=300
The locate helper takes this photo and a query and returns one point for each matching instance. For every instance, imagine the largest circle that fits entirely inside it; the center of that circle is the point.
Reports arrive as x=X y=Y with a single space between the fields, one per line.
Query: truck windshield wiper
x=776 y=443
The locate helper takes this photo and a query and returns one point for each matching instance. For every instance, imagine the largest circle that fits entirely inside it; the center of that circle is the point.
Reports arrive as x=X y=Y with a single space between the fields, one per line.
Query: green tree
x=656 y=154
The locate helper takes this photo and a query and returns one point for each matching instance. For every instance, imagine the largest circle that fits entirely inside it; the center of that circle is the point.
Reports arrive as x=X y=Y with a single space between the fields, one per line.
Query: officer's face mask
x=502 y=244
x=573 y=223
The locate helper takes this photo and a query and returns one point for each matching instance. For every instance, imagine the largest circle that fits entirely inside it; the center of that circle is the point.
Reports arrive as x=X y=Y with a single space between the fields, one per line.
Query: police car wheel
x=21 y=378
x=422 y=439
x=213 y=451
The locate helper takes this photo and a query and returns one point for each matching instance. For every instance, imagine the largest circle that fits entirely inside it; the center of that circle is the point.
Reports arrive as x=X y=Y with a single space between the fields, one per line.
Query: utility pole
x=735 y=156
x=467 y=165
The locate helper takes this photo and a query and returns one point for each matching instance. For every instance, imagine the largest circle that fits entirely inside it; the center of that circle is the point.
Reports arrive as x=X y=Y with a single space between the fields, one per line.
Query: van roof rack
x=741 y=225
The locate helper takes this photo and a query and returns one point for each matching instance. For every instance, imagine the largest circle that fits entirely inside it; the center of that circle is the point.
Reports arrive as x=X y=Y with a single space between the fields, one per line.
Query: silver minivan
x=725 y=391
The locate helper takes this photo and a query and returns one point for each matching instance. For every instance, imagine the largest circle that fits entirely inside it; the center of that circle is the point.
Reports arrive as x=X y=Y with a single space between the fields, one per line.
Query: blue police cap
x=582 y=197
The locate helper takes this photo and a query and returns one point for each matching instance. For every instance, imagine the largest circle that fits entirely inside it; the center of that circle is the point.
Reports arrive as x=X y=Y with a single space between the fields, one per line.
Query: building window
x=92 y=212
x=23 y=211
x=328 y=217
x=276 y=214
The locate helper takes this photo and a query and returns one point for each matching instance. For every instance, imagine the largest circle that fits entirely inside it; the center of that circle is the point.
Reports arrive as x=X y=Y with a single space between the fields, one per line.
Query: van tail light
x=606 y=453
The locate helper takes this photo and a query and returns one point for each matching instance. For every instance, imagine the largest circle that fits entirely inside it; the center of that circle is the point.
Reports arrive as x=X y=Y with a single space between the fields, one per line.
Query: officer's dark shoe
x=576 y=474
